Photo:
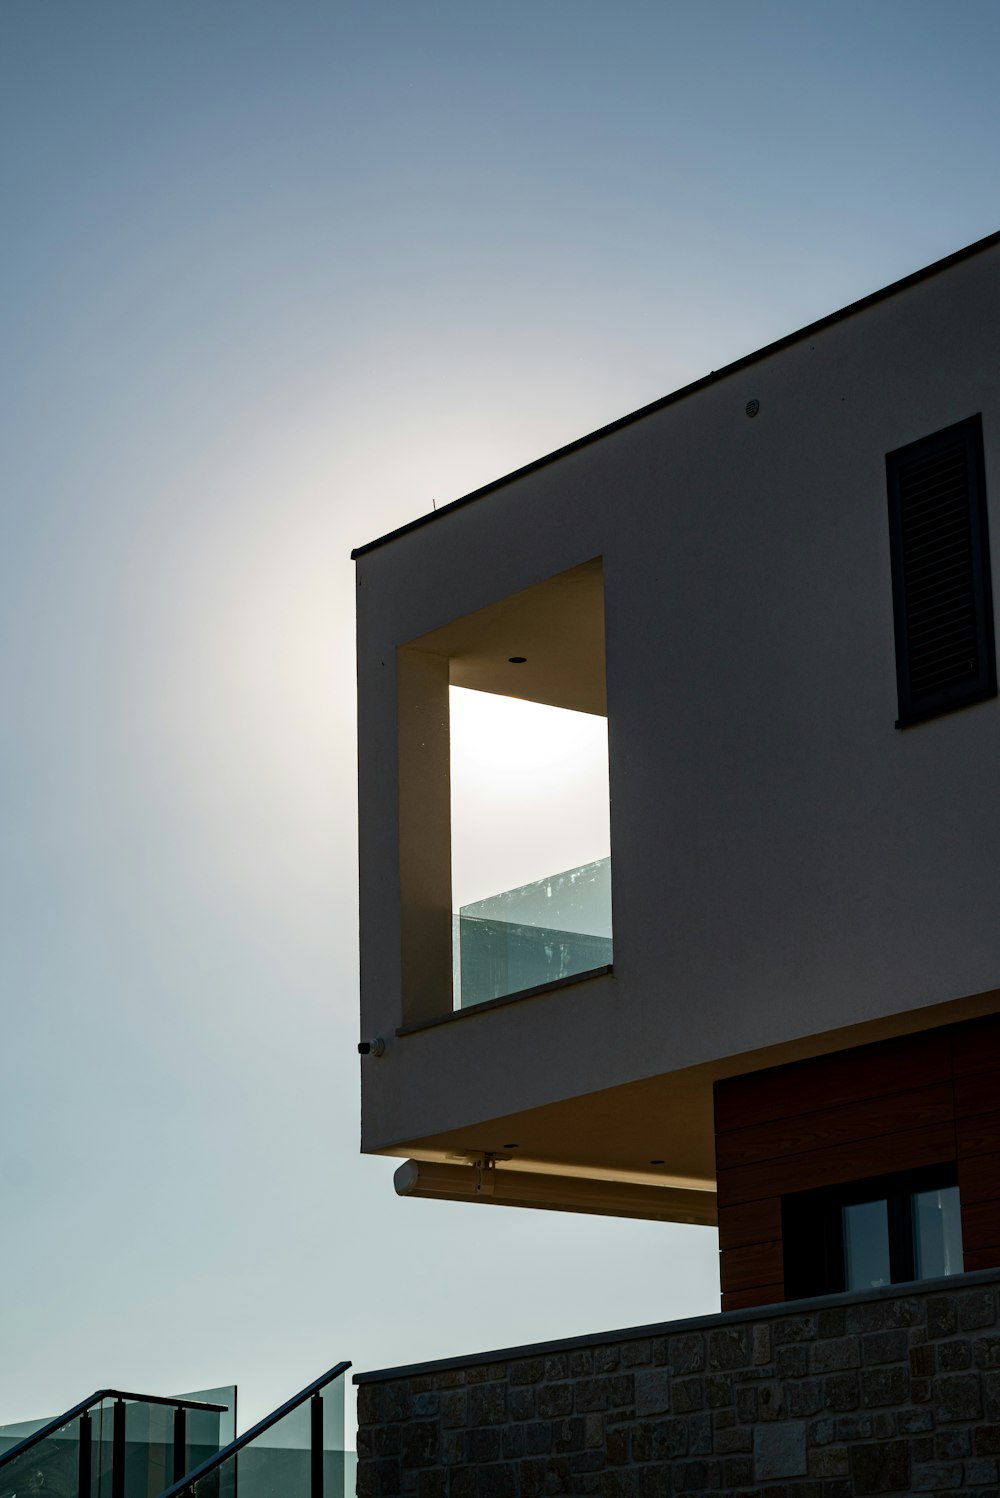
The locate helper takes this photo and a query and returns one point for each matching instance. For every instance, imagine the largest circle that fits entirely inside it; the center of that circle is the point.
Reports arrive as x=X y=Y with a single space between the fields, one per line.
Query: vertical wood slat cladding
x=923 y=1099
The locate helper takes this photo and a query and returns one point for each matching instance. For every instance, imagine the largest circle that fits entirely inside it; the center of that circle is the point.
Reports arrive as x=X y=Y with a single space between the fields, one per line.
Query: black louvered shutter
x=942 y=600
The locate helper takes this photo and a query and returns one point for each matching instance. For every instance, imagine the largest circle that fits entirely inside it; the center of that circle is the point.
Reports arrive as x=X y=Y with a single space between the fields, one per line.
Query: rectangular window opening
x=530 y=844
x=884 y=1231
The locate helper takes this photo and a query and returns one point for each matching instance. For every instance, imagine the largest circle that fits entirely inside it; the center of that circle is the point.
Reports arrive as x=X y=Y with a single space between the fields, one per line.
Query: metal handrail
x=98 y=1398
x=185 y=1484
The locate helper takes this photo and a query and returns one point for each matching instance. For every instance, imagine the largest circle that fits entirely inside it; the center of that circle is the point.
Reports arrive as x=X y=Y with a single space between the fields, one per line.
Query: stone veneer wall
x=890 y=1391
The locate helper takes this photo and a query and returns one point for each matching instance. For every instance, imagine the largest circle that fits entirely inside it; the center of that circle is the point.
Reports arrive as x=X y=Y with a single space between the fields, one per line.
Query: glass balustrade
x=552 y=929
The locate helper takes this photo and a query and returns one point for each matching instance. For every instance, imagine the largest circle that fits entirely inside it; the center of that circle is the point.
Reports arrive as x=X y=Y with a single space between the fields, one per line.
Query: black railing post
x=118 y=1450
x=83 y=1480
x=316 y=1446
x=180 y=1442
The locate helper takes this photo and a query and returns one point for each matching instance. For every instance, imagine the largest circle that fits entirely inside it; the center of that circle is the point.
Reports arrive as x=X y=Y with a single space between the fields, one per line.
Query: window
x=942 y=600
x=504 y=843
x=878 y=1232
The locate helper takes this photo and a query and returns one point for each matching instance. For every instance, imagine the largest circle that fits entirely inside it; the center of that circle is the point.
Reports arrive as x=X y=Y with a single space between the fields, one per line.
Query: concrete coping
x=951 y=1283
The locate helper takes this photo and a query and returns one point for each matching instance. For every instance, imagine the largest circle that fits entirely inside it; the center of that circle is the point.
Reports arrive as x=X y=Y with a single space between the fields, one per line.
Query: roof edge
x=745 y=360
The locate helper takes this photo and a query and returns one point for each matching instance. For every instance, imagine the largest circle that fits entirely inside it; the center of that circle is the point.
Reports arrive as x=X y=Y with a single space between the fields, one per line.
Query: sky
x=278 y=276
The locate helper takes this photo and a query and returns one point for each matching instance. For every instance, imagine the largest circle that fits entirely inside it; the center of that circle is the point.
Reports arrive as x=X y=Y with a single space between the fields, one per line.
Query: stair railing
x=121 y=1399
x=187 y=1486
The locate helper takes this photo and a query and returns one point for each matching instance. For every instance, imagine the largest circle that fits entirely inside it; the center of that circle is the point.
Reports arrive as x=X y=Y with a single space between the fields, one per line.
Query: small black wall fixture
x=941 y=592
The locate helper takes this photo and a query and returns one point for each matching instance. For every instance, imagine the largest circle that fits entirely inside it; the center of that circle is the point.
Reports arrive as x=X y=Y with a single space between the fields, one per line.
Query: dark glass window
x=941 y=593
x=882 y=1231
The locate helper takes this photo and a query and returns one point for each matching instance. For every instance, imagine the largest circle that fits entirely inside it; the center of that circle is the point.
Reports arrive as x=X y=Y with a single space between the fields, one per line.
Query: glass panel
x=539 y=933
x=51 y=1468
x=336 y=1473
x=208 y=1431
x=937 y=1233
x=275 y=1465
x=866 y=1245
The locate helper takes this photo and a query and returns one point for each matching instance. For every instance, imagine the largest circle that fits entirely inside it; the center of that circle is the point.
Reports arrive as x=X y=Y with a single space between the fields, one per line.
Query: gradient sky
x=276 y=277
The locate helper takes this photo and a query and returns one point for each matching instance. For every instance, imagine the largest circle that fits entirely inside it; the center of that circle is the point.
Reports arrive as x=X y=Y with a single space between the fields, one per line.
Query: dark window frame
x=915 y=705
x=812 y=1228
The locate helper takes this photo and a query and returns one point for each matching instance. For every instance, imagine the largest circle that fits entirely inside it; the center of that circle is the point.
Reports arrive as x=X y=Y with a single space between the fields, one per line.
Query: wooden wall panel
x=925 y=1099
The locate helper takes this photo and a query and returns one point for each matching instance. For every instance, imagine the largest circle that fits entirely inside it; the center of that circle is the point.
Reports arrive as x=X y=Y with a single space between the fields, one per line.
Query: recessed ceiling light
x=511 y=1146
x=656 y=1162
x=517 y=660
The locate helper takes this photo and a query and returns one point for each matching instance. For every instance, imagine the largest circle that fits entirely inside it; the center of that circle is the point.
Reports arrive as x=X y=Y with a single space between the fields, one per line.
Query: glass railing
x=297 y=1452
x=552 y=929
x=115 y=1445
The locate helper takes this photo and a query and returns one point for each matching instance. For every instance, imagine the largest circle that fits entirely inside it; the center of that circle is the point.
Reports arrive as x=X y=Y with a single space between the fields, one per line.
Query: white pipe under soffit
x=521 y=1188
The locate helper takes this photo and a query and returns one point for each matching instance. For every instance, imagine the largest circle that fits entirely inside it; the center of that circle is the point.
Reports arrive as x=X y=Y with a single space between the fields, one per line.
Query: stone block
x=954 y=1356
x=581 y=1363
x=737 y=1472
x=538 y=1437
x=556 y=1367
x=482 y=1445
x=842 y=1392
x=718 y=1390
x=526 y=1371
x=854 y=1428
x=586 y=1461
x=606 y=1359
x=700 y=1435
x=425 y=1404
x=821 y=1432
x=488 y=1404
x=637 y=1354
x=760 y=1344
x=986 y=1352
x=829 y=1461
x=616 y=1446
x=831 y=1323
x=729 y=1348
x=986 y=1440
x=655 y=1482
x=942 y=1316
x=923 y=1361
x=622 y=1483
x=980 y=1472
x=553 y=1400
x=521 y=1403
x=805 y=1397
x=883 y=1467
x=593 y=1425
x=991 y=1395
x=621 y=1389
x=977 y=1308
x=792 y=1361
x=670 y=1439
x=652 y=1392
x=499 y=1481
x=746 y=1399
x=885 y=1347
x=880 y=1386
x=419 y=1442
x=688 y=1394
x=958 y=1397
x=454 y=1408
x=914 y=1422
x=486 y=1373
x=779 y=1450
x=512 y=1445
x=735 y=1439
x=385 y=1440
x=696 y=1477
x=793 y=1329
x=464 y=1482
x=433 y=1484
x=835 y=1356
x=452 y=1452
x=569 y=1434
x=936 y=1477
x=952 y=1445
x=367 y=1404
x=686 y=1353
